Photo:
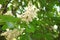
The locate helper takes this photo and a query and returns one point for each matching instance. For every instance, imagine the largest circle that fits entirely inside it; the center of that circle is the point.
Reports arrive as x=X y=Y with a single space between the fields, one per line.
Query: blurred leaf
x=2 y=1
x=30 y=29
x=5 y=27
x=9 y=18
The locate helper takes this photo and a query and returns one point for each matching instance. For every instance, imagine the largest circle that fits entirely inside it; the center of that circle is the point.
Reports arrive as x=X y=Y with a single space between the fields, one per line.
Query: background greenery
x=35 y=30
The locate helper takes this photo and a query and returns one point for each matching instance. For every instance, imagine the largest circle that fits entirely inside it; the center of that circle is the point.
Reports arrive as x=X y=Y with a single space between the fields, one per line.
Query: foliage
x=38 y=29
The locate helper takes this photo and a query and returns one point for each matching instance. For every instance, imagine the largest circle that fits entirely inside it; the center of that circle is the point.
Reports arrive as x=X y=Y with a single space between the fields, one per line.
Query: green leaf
x=5 y=27
x=25 y=37
x=2 y=22
x=49 y=36
x=7 y=18
x=2 y=1
x=30 y=29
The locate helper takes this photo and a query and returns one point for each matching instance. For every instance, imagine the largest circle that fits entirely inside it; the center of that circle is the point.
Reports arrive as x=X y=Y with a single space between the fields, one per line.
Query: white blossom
x=29 y=14
x=55 y=27
x=0 y=6
x=12 y=34
x=9 y=13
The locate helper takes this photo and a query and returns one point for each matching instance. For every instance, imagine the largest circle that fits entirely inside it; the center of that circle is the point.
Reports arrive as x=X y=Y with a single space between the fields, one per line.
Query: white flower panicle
x=9 y=13
x=29 y=14
x=11 y=34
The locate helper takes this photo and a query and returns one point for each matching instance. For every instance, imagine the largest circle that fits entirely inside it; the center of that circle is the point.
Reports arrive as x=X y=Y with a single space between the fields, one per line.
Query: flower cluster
x=11 y=34
x=29 y=14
